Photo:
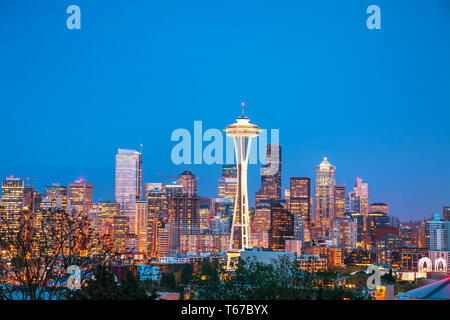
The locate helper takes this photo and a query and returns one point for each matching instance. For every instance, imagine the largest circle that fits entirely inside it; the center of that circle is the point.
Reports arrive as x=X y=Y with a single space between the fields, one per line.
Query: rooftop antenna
x=243 y=105
x=140 y=148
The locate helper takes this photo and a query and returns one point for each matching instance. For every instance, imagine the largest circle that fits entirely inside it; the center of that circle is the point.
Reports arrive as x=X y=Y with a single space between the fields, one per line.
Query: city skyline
x=373 y=102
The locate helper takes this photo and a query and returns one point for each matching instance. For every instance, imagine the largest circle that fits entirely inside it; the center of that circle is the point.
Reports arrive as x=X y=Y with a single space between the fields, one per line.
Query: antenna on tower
x=140 y=148
x=243 y=105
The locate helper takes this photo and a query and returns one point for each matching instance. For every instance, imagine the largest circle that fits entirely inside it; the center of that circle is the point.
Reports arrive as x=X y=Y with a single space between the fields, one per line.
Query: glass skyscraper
x=128 y=184
x=324 y=196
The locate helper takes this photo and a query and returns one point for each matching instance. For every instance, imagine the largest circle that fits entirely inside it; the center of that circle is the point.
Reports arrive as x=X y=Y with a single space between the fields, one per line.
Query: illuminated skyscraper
x=352 y=203
x=281 y=226
x=12 y=202
x=157 y=206
x=128 y=184
x=324 y=196
x=344 y=233
x=362 y=190
x=300 y=198
x=228 y=182
x=57 y=194
x=242 y=133
x=80 y=196
x=339 y=200
x=142 y=225
x=270 y=176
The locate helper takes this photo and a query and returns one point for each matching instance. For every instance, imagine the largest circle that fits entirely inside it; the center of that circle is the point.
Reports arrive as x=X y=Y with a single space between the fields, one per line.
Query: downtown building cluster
x=326 y=225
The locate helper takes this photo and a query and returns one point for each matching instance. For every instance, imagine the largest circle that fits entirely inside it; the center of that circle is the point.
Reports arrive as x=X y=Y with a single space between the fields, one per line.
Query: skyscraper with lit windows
x=361 y=189
x=324 y=196
x=270 y=176
x=281 y=226
x=128 y=184
x=339 y=200
x=12 y=203
x=80 y=196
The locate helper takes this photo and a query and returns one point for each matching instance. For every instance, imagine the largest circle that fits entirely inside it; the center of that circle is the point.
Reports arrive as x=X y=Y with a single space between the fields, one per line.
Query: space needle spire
x=242 y=132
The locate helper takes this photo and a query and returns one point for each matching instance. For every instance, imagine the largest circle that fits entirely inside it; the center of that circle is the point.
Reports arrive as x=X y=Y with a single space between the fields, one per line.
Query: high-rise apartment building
x=128 y=184
x=324 y=196
x=438 y=234
x=183 y=219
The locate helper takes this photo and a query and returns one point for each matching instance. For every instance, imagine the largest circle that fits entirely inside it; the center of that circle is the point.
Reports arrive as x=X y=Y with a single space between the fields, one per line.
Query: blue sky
x=375 y=102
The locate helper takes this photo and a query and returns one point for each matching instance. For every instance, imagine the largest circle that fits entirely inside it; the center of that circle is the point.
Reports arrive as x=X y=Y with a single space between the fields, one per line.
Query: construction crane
x=166 y=176
x=28 y=178
x=172 y=177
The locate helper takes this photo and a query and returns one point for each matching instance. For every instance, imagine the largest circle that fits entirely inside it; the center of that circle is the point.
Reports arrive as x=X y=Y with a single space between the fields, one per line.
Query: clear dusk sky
x=375 y=102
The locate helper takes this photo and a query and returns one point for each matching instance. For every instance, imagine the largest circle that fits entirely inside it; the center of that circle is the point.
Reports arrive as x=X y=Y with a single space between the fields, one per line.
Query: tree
x=186 y=274
x=168 y=281
x=102 y=286
x=38 y=248
x=207 y=284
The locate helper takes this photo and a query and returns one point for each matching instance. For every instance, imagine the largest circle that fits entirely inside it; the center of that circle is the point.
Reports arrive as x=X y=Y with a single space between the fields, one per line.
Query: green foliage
x=168 y=281
x=186 y=274
x=207 y=284
x=103 y=286
x=279 y=280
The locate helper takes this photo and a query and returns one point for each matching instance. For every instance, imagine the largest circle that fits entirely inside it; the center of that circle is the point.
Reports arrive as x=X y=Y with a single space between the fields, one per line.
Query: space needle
x=242 y=132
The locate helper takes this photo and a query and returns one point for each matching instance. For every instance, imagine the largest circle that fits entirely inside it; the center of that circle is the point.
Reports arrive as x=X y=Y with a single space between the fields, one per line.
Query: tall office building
x=29 y=198
x=128 y=184
x=300 y=205
x=344 y=233
x=352 y=203
x=339 y=200
x=270 y=175
x=12 y=202
x=438 y=234
x=108 y=210
x=324 y=196
x=57 y=195
x=228 y=182
x=157 y=206
x=142 y=225
x=80 y=196
x=281 y=226
x=362 y=190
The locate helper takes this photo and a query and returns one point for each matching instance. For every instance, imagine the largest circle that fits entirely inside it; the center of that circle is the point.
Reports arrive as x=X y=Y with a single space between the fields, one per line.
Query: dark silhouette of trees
x=37 y=249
